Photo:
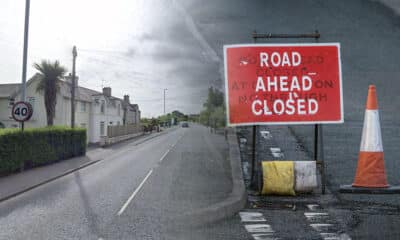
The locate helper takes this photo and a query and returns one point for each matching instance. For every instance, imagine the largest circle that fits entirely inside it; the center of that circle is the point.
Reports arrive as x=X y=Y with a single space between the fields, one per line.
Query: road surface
x=141 y=191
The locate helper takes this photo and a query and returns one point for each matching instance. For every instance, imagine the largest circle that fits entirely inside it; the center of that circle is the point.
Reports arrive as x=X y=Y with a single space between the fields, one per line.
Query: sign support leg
x=316 y=142
x=323 y=175
x=253 y=159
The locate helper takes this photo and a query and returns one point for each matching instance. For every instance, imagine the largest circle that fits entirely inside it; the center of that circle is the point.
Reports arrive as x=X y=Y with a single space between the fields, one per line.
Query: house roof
x=82 y=93
x=6 y=90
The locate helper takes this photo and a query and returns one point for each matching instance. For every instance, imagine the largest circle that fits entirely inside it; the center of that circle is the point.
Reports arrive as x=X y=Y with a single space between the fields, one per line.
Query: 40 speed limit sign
x=22 y=111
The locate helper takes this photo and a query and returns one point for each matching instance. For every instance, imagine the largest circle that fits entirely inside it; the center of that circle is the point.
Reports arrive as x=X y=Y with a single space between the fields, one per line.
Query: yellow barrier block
x=278 y=178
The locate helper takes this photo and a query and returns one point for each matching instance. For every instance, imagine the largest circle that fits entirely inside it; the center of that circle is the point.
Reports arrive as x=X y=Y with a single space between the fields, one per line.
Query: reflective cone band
x=371 y=167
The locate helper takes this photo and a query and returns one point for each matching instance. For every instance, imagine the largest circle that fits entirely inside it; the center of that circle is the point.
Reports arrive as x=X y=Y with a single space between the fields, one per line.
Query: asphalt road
x=139 y=192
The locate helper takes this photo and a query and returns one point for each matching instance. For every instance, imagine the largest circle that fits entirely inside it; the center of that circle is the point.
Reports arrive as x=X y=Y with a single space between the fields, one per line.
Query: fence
x=122 y=130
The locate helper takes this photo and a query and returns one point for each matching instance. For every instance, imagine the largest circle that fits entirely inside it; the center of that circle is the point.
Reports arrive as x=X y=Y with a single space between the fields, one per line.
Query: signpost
x=286 y=84
x=22 y=111
x=283 y=84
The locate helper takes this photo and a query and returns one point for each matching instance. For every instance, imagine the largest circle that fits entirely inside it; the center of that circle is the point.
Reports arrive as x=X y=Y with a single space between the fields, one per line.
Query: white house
x=93 y=110
x=106 y=111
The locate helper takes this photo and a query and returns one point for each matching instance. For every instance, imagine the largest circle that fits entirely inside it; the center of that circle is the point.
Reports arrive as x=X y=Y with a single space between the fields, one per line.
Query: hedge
x=39 y=146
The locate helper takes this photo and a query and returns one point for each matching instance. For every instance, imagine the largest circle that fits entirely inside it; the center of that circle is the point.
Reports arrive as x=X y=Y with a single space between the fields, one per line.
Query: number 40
x=21 y=111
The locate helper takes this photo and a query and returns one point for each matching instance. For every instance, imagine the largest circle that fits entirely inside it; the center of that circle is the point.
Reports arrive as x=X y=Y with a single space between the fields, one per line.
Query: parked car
x=185 y=124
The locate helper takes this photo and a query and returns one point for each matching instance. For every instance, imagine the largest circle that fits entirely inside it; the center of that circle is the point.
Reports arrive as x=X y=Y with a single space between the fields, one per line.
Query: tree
x=213 y=113
x=50 y=73
x=214 y=100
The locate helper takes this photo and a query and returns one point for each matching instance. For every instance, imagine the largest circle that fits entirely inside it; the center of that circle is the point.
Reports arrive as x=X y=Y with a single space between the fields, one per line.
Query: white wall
x=109 y=117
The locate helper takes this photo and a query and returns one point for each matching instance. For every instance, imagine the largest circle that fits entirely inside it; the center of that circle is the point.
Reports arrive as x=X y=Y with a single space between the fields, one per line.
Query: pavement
x=139 y=190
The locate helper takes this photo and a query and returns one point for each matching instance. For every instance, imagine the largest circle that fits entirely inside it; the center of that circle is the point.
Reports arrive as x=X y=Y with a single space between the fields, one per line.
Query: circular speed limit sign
x=22 y=111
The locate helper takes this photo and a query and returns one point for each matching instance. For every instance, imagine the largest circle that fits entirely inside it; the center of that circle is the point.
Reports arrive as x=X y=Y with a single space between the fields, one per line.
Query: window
x=119 y=110
x=83 y=125
x=102 y=106
x=11 y=102
x=111 y=123
x=31 y=100
x=83 y=106
x=101 y=128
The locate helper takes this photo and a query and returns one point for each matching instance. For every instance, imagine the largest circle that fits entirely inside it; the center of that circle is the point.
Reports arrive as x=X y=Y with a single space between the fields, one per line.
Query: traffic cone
x=370 y=174
x=371 y=166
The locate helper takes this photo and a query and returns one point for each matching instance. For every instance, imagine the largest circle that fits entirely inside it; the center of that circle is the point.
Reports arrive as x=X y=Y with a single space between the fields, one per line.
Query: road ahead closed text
x=283 y=84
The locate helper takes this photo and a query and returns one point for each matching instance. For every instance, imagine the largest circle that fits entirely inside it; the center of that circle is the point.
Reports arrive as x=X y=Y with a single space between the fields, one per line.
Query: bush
x=39 y=146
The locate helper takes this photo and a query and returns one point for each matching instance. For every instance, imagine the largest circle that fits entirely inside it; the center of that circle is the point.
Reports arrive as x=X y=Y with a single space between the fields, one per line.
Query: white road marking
x=165 y=154
x=321 y=227
x=251 y=217
x=259 y=228
x=266 y=135
x=313 y=207
x=134 y=193
x=315 y=214
x=276 y=152
x=330 y=236
x=173 y=145
x=317 y=220
x=316 y=217
x=264 y=236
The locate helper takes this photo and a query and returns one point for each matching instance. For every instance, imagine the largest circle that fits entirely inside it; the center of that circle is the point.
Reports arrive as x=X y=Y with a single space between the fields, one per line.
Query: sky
x=136 y=47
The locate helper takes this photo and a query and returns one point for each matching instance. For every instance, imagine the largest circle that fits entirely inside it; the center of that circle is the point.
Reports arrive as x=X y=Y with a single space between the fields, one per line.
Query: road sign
x=283 y=84
x=22 y=111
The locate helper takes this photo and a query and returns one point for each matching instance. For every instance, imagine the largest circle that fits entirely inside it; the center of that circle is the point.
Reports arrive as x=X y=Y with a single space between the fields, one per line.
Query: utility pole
x=74 y=54
x=25 y=54
x=165 y=89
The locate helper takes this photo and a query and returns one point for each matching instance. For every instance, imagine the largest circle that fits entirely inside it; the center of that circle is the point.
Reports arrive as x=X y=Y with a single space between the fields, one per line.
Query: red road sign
x=283 y=84
x=22 y=111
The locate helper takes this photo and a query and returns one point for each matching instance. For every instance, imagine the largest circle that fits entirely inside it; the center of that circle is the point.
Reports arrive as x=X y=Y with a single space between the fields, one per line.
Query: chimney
x=107 y=91
x=69 y=79
x=126 y=99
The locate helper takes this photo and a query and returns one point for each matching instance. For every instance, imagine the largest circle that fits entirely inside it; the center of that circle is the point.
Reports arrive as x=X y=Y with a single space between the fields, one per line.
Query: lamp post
x=165 y=89
x=25 y=54
x=74 y=55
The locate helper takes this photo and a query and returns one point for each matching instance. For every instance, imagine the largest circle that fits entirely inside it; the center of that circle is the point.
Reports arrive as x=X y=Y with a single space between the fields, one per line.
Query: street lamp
x=25 y=51
x=73 y=86
x=165 y=89
x=25 y=54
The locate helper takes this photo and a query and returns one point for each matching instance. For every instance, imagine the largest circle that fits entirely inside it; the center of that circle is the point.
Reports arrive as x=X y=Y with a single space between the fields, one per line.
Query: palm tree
x=50 y=74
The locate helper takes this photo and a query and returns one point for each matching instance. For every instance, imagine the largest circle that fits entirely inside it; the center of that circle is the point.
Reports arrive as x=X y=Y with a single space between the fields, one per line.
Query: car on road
x=185 y=124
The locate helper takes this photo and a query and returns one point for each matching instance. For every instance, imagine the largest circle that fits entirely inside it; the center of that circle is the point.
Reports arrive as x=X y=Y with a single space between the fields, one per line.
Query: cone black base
x=351 y=189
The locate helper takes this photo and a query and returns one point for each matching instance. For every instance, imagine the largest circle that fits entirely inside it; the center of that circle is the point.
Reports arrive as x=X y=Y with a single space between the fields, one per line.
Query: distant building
x=131 y=112
x=93 y=110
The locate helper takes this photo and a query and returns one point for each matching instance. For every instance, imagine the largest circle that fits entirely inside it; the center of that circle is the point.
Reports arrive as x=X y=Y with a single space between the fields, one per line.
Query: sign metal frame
x=318 y=130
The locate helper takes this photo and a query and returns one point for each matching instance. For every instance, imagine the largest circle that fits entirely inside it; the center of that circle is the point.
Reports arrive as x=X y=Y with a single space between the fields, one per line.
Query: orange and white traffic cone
x=371 y=166
x=370 y=174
